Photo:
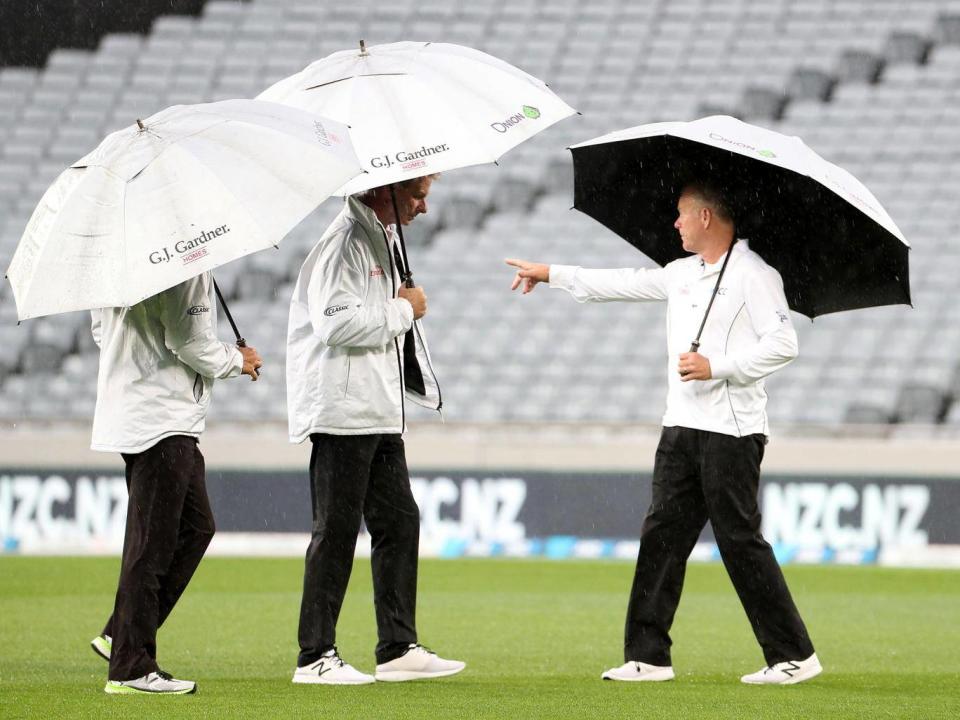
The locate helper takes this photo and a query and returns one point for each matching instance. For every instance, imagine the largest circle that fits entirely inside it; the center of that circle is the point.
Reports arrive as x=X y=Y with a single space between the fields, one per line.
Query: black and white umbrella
x=834 y=245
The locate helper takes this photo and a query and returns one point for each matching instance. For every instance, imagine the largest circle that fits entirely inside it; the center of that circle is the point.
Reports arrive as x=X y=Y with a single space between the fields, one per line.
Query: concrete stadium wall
x=546 y=446
x=551 y=490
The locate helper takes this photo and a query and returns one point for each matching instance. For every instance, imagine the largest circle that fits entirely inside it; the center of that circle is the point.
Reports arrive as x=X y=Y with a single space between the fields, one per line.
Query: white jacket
x=748 y=335
x=345 y=339
x=157 y=364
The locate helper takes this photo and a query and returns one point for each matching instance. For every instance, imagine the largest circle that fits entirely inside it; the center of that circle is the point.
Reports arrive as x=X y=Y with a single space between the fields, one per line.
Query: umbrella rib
x=352 y=77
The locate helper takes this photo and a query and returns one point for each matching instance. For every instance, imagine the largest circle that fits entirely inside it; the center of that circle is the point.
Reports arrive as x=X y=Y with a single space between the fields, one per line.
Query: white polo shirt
x=748 y=334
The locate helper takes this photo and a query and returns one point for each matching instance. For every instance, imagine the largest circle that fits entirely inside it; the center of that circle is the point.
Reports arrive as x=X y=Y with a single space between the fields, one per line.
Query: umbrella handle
x=407 y=276
x=241 y=342
x=694 y=346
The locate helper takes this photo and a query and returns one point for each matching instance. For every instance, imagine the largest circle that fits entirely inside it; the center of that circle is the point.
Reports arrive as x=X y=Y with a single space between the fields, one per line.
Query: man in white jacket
x=355 y=350
x=158 y=360
x=707 y=464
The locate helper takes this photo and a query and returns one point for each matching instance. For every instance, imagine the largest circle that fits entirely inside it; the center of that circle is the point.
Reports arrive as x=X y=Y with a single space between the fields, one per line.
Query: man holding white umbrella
x=132 y=232
x=158 y=361
x=356 y=345
x=352 y=356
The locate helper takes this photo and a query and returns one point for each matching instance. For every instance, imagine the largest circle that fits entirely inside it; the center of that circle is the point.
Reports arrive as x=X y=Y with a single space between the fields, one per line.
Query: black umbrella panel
x=831 y=255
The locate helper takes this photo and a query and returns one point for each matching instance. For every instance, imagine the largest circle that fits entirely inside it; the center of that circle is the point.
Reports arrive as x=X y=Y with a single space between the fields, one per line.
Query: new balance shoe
x=330 y=669
x=417 y=663
x=785 y=673
x=102 y=645
x=639 y=672
x=155 y=683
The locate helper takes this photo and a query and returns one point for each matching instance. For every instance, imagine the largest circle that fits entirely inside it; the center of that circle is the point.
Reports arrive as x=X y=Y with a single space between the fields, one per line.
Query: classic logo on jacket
x=334 y=309
x=376 y=272
x=197 y=310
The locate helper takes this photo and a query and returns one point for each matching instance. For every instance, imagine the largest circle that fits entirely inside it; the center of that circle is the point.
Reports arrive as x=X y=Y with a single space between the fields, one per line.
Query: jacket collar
x=739 y=248
x=363 y=214
x=366 y=218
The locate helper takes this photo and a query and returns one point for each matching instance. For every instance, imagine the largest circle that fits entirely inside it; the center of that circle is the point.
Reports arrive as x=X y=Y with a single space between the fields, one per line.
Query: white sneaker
x=786 y=673
x=102 y=645
x=639 y=672
x=155 y=683
x=330 y=669
x=417 y=663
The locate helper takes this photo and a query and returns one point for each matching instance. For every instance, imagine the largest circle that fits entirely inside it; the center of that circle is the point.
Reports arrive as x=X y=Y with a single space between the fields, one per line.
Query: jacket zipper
x=430 y=365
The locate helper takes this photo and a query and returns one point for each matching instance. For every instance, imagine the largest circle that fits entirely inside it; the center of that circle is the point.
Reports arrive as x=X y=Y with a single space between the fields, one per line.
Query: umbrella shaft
x=695 y=345
x=226 y=312
x=405 y=273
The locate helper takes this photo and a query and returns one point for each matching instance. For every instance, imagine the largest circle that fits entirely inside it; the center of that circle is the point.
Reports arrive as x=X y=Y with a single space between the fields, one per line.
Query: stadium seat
x=822 y=70
x=920 y=403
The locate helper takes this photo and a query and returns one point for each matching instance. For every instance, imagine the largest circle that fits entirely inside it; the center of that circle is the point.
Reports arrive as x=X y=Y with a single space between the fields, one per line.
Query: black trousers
x=354 y=478
x=169 y=526
x=700 y=475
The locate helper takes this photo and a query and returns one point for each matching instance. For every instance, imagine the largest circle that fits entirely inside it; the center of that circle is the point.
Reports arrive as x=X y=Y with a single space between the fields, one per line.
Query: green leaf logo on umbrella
x=531 y=112
x=767 y=153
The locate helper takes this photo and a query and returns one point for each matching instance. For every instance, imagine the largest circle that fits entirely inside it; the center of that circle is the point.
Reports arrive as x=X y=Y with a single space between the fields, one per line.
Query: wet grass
x=535 y=635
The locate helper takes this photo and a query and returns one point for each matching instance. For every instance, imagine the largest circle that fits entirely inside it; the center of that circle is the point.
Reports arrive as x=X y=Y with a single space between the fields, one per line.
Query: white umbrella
x=180 y=193
x=417 y=108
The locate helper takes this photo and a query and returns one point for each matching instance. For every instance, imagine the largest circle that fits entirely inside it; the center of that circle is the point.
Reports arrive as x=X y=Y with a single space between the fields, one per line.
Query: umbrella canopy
x=834 y=245
x=417 y=108
x=180 y=193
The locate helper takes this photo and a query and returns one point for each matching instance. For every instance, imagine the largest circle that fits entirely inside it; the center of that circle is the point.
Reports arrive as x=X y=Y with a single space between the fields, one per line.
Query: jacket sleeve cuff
x=236 y=367
x=406 y=312
x=722 y=367
x=561 y=276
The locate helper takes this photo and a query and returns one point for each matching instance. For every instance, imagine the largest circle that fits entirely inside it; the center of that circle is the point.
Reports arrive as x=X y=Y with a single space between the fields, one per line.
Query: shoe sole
x=407 y=675
x=127 y=690
x=98 y=650
x=801 y=677
x=313 y=680
x=659 y=676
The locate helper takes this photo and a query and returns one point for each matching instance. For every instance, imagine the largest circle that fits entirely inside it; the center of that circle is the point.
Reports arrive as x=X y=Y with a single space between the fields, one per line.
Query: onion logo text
x=526 y=112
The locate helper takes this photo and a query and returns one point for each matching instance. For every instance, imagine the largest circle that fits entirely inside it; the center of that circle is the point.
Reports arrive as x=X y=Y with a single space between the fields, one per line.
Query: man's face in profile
x=689 y=222
x=412 y=198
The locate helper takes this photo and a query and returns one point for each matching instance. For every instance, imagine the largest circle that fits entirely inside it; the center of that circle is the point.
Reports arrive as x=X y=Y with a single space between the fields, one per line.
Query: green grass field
x=535 y=635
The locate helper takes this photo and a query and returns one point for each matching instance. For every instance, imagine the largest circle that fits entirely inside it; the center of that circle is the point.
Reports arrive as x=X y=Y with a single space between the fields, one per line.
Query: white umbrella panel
x=180 y=193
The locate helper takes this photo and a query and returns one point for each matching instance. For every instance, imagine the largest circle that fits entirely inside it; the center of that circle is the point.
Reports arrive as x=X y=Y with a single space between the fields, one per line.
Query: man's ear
x=706 y=215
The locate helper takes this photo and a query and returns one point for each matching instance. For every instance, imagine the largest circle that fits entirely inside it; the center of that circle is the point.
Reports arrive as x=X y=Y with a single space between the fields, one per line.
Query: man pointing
x=707 y=464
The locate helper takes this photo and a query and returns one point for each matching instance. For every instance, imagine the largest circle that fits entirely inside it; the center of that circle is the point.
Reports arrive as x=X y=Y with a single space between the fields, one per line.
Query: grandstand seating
x=867 y=85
